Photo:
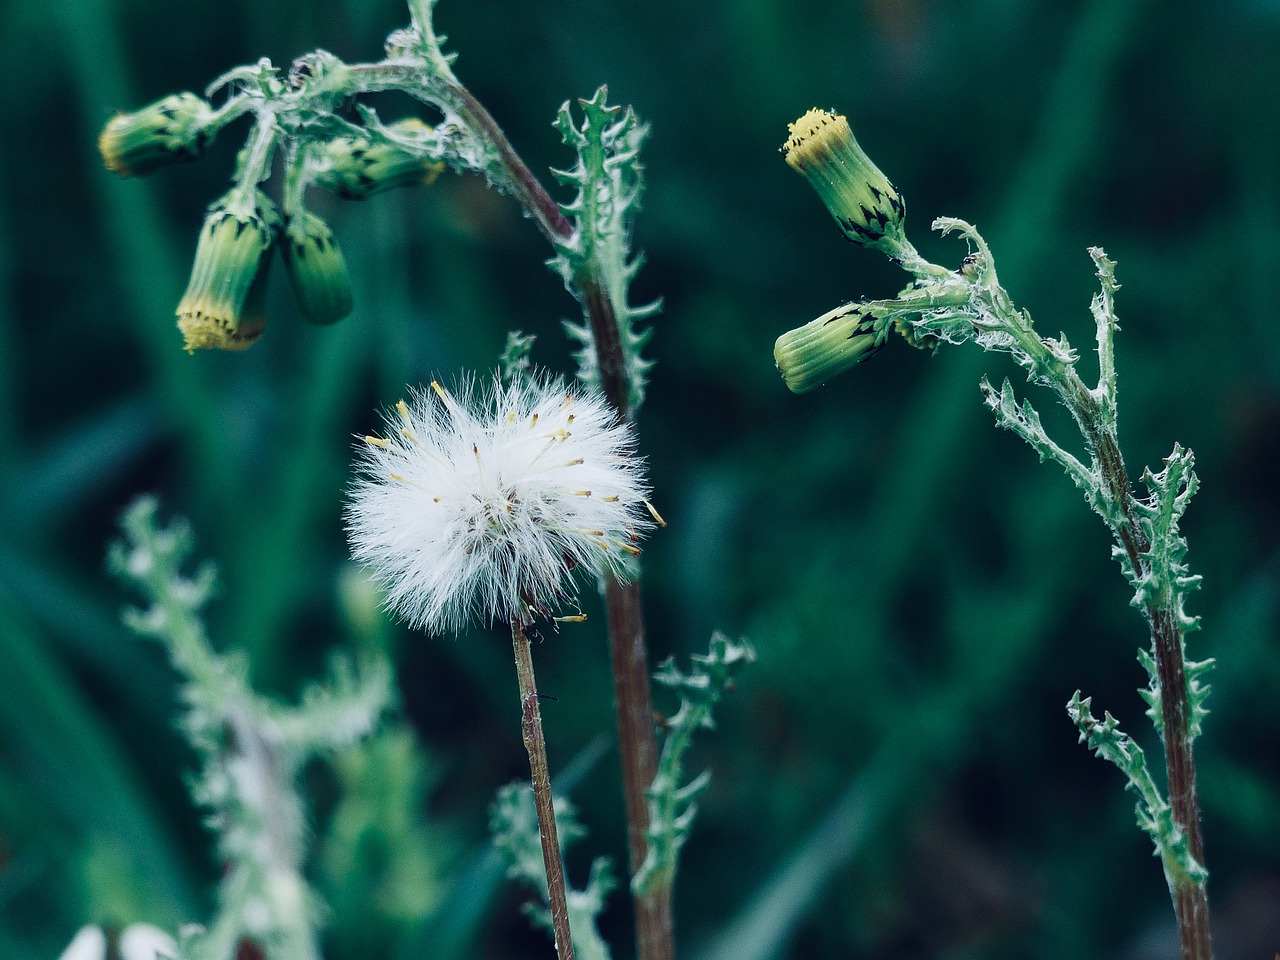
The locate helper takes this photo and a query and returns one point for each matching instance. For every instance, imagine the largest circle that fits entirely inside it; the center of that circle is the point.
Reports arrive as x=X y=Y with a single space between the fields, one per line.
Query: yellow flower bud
x=317 y=270
x=173 y=130
x=223 y=307
x=356 y=168
x=810 y=355
x=861 y=198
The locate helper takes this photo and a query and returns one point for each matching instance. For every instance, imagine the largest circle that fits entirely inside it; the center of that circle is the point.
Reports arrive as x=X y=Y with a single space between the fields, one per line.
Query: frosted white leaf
x=89 y=943
x=142 y=941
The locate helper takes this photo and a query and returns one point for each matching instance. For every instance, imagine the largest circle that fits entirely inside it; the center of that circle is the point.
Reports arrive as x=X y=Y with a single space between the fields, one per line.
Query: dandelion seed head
x=478 y=504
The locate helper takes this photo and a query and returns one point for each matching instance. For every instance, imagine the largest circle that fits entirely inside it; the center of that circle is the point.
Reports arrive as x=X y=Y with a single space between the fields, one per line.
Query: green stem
x=295 y=163
x=540 y=771
x=1112 y=495
x=255 y=160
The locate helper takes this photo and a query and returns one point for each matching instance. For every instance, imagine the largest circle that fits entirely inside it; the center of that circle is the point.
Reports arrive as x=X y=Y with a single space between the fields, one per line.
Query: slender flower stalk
x=536 y=746
x=638 y=752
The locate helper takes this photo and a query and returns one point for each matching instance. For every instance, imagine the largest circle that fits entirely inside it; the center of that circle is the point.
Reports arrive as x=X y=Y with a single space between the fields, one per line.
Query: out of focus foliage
x=922 y=596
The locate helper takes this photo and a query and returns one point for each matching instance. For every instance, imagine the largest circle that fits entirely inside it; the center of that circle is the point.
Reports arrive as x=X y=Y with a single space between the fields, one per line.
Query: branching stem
x=989 y=313
x=1190 y=899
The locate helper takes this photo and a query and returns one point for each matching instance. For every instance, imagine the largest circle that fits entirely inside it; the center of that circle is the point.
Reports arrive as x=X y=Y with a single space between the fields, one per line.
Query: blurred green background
x=896 y=777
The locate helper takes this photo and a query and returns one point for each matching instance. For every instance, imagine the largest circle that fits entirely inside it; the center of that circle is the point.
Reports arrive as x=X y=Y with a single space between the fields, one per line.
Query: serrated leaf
x=513 y=824
x=608 y=181
x=672 y=807
x=1153 y=812
x=251 y=749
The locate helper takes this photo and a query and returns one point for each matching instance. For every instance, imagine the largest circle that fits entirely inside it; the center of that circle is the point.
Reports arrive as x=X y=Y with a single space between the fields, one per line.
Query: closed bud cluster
x=316 y=268
x=861 y=198
x=810 y=355
x=356 y=168
x=224 y=306
x=173 y=130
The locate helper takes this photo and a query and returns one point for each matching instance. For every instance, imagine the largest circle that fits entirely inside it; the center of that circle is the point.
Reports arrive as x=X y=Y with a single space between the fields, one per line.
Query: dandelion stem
x=536 y=745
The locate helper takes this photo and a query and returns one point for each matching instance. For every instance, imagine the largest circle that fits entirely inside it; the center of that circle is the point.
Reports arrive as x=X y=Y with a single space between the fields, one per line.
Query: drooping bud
x=356 y=168
x=317 y=270
x=223 y=307
x=868 y=208
x=173 y=130
x=810 y=355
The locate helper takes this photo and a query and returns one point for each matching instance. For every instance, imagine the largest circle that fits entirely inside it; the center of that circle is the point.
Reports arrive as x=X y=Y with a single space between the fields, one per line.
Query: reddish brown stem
x=1190 y=899
x=529 y=191
x=608 y=344
x=638 y=749
x=540 y=770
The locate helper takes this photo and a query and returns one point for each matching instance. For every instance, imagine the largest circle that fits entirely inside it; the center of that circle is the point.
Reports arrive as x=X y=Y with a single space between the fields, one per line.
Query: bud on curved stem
x=867 y=206
x=173 y=130
x=223 y=306
x=316 y=268
x=356 y=168
x=810 y=355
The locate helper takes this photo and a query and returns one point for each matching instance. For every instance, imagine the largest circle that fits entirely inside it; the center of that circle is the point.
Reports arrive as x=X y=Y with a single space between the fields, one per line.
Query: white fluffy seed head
x=479 y=504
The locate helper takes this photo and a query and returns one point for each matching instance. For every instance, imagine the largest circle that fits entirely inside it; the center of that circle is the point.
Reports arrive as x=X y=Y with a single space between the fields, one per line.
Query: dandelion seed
x=481 y=503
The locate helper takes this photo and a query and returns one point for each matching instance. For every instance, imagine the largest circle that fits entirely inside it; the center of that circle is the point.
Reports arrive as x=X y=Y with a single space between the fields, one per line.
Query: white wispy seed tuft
x=479 y=504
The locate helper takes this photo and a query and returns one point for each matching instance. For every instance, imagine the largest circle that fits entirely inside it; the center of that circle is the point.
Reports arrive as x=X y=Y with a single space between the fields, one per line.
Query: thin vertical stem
x=638 y=750
x=536 y=745
x=1190 y=899
x=637 y=743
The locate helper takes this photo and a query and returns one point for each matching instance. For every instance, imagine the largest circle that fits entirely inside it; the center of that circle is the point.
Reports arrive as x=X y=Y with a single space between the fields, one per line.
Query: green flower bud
x=808 y=356
x=173 y=130
x=223 y=307
x=356 y=168
x=859 y=196
x=317 y=270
